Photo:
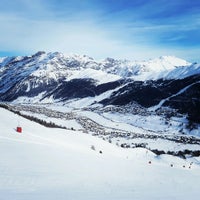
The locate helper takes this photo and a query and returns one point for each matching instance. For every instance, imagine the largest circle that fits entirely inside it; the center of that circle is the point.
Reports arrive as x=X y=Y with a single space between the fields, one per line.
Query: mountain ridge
x=55 y=77
x=122 y=68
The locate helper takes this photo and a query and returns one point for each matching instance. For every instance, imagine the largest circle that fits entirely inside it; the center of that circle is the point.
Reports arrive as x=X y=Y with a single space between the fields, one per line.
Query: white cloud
x=78 y=37
x=81 y=35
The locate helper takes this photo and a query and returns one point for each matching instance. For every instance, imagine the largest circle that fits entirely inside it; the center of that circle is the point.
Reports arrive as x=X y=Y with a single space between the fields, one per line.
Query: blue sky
x=132 y=29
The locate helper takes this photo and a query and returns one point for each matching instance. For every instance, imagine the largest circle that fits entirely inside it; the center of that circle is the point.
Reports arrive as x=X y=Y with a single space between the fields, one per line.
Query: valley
x=121 y=129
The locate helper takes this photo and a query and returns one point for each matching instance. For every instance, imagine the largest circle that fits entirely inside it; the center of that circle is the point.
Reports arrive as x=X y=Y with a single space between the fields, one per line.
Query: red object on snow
x=19 y=129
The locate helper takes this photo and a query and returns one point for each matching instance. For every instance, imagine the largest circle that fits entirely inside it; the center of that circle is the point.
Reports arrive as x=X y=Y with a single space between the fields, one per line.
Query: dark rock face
x=19 y=89
x=183 y=95
x=187 y=102
x=74 y=89
x=81 y=88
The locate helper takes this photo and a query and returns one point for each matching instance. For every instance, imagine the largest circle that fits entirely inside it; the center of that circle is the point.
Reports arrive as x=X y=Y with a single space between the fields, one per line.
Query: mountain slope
x=54 y=163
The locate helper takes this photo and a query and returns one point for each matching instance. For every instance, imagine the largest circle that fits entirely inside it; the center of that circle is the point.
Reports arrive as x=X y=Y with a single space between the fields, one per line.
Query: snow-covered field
x=44 y=163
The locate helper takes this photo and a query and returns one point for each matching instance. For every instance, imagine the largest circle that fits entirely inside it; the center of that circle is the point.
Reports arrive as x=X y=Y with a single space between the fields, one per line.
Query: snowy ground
x=43 y=163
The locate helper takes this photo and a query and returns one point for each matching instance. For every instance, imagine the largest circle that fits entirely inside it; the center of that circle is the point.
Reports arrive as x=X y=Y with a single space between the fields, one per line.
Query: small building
x=19 y=129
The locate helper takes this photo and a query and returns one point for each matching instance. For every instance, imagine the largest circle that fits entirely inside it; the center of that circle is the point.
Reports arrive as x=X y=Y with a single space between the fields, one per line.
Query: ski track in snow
x=174 y=95
x=22 y=140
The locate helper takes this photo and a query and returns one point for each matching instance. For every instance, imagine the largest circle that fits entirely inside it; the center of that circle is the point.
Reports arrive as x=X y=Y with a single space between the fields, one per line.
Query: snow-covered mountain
x=143 y=70
x=55 y=77
x=57 y=65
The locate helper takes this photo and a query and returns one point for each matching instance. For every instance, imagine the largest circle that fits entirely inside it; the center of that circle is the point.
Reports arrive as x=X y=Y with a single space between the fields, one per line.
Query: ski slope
x=44 y=163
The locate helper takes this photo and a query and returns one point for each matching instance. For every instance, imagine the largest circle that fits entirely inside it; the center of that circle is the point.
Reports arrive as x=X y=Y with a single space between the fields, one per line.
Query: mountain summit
x=57 y=64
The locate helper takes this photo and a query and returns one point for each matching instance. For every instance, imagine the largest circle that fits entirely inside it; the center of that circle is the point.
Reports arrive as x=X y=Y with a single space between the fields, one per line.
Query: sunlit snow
x=44 y=163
